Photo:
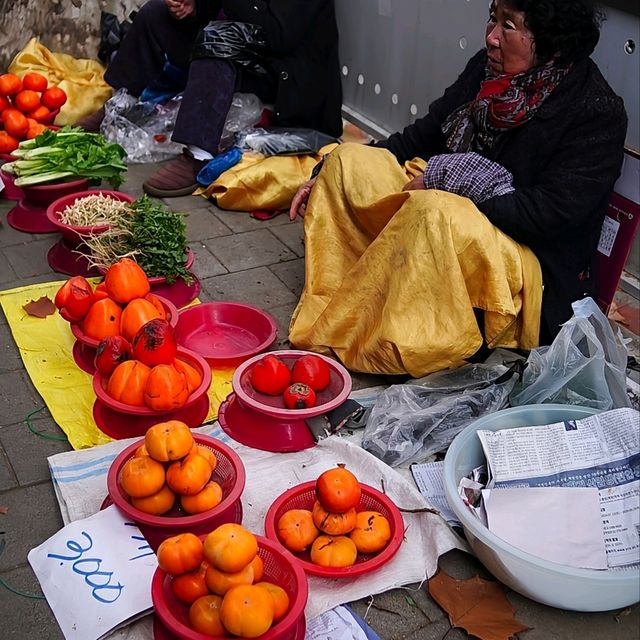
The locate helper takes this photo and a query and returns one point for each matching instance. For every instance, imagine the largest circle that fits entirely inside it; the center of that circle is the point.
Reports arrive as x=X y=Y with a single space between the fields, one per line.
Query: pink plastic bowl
x=80 y=336
x=229 y=474
x=10 y=191
x=280 y=568
x=42 y=195
x=333 y=396
x=193 y=359
x=225 y=333
x=74 y=234
x=304 y=496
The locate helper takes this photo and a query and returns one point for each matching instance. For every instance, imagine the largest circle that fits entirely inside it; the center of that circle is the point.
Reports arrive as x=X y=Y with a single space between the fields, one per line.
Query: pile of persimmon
x=334 y=531
x=220 y=580
x=24 y=103
x=298 y=385
x=171 y=467
x=137 y=352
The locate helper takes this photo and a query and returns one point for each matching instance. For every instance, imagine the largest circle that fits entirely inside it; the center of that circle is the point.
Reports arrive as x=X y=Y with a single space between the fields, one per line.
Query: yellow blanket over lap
x=81 y=79
x=392 y=278
x=46 y=345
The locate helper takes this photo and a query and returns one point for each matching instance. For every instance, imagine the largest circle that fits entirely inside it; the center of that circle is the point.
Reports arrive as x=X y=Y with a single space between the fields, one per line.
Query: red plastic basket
x=280 y=567
x=193 y=359
x=229 y=474
x=303 y=497
x=83 y=338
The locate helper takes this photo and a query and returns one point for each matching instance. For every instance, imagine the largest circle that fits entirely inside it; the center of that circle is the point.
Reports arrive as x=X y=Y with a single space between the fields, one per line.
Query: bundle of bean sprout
x=94 y=210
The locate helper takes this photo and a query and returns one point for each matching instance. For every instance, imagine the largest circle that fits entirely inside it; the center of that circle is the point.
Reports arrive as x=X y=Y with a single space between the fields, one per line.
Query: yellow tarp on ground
x=46 y=348
x=81 y=79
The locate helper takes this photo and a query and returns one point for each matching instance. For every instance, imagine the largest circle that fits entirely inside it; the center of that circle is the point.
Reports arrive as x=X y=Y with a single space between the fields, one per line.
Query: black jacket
x=302 y=38
x=564 y=160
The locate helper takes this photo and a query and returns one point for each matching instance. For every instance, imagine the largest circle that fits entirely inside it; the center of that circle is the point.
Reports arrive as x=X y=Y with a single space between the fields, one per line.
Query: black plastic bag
x=241 y=42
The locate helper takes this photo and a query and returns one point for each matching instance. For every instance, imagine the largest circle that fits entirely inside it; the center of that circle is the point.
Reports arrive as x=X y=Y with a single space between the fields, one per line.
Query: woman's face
x=510 y=44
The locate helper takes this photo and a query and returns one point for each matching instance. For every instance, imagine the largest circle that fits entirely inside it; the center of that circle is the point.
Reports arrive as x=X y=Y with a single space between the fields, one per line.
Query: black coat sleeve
x=582 y=171
x=285 y=22
x=424 y=138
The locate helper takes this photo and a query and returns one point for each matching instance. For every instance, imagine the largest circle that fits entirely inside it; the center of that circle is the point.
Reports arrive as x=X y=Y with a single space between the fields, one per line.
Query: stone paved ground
x=237 y=258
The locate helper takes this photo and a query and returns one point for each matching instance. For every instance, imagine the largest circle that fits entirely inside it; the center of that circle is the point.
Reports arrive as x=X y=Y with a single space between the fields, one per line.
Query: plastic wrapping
x=241 y=42
x=409 y=422
x=585 y=365
x=218 y=165
x=276 y=141
x=142 y=128
x=245 y=111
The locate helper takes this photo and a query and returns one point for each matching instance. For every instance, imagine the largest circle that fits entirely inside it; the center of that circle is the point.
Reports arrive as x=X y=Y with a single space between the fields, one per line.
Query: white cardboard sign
x=96 y=574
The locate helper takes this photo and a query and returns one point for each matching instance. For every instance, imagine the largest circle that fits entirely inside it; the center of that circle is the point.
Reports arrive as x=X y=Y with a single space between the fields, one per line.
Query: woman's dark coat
x=565 y=161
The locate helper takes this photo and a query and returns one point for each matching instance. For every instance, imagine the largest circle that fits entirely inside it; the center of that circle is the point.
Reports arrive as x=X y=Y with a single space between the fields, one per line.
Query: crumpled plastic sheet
x=276 y=141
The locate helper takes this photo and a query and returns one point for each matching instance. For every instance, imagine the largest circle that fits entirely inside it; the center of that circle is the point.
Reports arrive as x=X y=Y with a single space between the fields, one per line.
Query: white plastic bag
x=585 y=365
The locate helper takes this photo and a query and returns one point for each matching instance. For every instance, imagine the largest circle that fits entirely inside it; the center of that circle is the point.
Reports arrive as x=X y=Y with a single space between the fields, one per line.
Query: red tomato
x=110 y=353
x=4 y=104
x=8 y=143
x=39 y=113
x=27 y=101
x=299 y=396
x=15 y=123
x=270 y=375
x=312 y=371
x=10 y=84
x=190 y=586
x=53 y=98
x=34 y=81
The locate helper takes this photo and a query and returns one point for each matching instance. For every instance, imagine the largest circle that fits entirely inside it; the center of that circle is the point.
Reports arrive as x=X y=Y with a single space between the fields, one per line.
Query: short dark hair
x=568 y=30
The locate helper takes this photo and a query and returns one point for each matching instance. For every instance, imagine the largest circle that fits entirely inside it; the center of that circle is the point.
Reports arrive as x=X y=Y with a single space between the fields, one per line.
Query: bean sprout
x=95 y=210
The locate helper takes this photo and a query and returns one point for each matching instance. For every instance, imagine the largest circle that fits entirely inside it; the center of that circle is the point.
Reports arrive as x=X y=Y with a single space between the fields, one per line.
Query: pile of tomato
x=24 y=104
x=298 y=385
x=170 y=464
x=221 y=581
x=333 y=530
x=137 y=352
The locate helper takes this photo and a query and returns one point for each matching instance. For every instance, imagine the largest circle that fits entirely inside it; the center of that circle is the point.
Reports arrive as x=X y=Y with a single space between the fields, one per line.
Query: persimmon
x=334 y=524
x=166 y=388
x=26 y=100
x=40 y=113
x=8 y=143
x=296 y=529
x=141 y=477
x=167 y=441
x=189 y=475
x=34 y=81
x=141 y=451
x=333 y=551
x=126 y=280
x=155 y=301
x=180 y=554
x=257 y=564
x=34 y=130
x=155 y=343
x=157 y=504
x=280 y=599
x=191 y=374
x=204 y=616
x=127 y=383
x=136 y=314
x=371 y=533
x=219 y=582
x=53 y=98
x=10 y=84
x=207 y=453
x=111 y=351
x=188 y=587
x=102 y=319
x=338 y=490
x=247 y=611
x=209 y=497
x=230 y=547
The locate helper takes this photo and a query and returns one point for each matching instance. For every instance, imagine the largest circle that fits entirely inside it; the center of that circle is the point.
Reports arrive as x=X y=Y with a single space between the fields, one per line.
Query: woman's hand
x=181 y=9
x=416 y=183
x=299 y=202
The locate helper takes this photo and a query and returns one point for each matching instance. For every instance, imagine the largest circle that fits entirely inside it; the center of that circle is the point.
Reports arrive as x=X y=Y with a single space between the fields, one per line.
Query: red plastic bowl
x=229 y=474
x=304 y=496
x=74 y=234
x=100 y=383
x=333 y=396
x=280 y=568
x=50 y=117
x=225 y=333
x=10 y=191
x=82 y=338
x=42 y=195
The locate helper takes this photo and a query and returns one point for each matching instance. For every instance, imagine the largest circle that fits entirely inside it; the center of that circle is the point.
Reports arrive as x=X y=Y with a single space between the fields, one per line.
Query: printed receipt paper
x=96 y=574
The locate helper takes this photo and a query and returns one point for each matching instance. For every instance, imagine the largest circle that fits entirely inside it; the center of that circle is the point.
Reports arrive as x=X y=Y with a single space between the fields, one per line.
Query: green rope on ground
x=41 y=434
x=33 y=596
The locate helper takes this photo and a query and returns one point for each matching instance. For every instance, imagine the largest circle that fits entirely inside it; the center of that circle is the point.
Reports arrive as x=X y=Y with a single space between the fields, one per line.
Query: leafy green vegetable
x=70 y=152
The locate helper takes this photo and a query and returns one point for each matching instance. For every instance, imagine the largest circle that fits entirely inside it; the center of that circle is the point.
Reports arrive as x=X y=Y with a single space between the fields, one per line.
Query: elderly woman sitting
x=496 y=238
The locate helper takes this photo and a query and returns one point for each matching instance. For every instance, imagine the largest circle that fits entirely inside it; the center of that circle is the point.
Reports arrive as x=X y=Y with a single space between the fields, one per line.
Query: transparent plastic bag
x=143 y=129
x=410 y=422
x=276 y=141
x=245 y=111
x=585 y=365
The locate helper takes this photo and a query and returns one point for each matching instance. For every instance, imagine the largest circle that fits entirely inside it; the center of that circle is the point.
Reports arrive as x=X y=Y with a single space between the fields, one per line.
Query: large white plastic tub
x=547 y=582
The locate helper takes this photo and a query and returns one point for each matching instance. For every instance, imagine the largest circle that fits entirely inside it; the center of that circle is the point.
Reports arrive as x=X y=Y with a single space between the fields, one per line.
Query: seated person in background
x=409 y=278
x=302 y=74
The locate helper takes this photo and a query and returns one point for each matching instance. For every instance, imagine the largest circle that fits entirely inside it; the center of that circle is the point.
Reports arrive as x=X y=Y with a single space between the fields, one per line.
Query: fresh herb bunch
x=70 y=152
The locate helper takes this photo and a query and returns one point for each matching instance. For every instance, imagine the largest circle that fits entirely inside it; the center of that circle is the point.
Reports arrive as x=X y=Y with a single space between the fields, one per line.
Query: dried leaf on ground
x=40 y=308
x=478 y=606
x=4 y=510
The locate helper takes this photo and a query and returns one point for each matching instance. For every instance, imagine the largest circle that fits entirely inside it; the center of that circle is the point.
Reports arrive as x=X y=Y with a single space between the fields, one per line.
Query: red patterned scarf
x=503 y=103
